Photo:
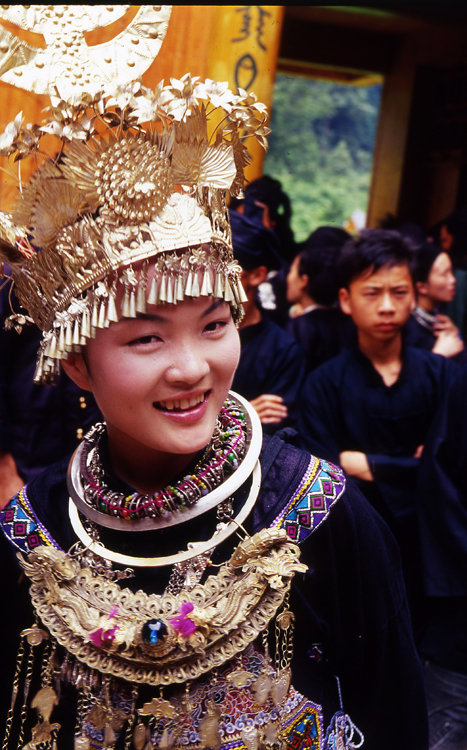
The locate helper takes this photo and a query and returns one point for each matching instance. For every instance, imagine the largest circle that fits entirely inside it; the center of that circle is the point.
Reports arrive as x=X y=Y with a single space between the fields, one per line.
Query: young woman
x=154 y=589
x=429 y=327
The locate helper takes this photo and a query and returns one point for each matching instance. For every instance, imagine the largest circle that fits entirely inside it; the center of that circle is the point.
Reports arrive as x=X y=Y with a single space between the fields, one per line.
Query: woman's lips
x=181 y=404
x=184 y=410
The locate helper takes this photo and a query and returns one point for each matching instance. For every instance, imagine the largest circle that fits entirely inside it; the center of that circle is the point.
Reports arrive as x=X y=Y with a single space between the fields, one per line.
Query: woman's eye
x=145 y=340
x=216 y=325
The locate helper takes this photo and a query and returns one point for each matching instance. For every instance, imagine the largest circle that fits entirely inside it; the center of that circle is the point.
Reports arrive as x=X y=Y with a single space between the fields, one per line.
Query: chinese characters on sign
x=252 y=29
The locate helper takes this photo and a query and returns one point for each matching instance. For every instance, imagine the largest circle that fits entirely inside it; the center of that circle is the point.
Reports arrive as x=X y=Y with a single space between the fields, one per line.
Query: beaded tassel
x=169 y=290
x=94 y=317
x=179 y=288
x=195 y=285
x=162 y=288
x=219 y=286
x=112 y=315
x=141 y=297
x=153 y=298
x=189 y=284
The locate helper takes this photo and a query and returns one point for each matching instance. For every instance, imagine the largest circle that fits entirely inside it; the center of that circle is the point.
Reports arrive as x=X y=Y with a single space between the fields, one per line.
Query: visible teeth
x=183 y=403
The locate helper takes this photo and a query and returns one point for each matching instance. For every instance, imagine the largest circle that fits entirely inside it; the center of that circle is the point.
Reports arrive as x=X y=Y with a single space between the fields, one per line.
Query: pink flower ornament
x=181 y=623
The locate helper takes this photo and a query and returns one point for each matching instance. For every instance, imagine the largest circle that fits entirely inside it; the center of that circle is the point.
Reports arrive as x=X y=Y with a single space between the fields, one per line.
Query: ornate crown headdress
x=139 y=176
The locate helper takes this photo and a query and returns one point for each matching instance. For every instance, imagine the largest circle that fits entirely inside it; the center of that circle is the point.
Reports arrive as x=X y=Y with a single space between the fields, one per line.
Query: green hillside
x=321 y=148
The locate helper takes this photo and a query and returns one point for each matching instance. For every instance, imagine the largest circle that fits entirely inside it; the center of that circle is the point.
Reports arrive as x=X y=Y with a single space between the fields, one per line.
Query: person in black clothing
x=272 y=365
x=39 y=424
x=315 y=318
x=442 y=516
x=435 y=285
x=154 y=579
x=369 y=408
x=265 y=198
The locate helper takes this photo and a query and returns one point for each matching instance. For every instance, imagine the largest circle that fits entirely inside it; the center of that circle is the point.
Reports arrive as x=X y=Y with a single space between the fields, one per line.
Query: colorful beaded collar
x=225 y=465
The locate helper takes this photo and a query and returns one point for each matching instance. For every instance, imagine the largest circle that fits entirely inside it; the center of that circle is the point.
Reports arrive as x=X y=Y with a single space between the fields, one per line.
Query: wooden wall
x=234 y=43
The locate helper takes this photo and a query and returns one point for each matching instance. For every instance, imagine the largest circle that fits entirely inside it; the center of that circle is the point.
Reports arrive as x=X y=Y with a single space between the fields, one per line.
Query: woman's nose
x=189 y=365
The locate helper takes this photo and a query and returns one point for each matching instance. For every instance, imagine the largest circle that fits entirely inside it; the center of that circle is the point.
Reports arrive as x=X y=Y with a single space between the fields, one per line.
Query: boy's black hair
x=317 y=259
x=371 y=250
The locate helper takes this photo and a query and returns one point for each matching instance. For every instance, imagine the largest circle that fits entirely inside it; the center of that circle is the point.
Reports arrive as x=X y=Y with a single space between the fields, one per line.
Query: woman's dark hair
x=371 y=250
x=269 y=191
x=424 y=258
x=317 y=259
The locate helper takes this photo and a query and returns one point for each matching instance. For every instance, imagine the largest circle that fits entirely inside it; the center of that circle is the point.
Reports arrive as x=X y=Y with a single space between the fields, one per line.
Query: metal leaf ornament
x=68 y=65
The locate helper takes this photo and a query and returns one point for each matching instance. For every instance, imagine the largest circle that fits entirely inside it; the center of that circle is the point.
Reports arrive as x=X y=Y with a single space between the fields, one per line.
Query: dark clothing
x=38 y=423
x=350 y=605
x=322 y=334
x=347 y=406
x=270 y=362
x=422 y=337
x=442 y=516
x=447 y=708
x=415 y=334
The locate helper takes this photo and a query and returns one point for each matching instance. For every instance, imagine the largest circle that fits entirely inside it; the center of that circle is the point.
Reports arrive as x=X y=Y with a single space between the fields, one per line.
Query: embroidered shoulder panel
x=21 y=525
x=321 y=486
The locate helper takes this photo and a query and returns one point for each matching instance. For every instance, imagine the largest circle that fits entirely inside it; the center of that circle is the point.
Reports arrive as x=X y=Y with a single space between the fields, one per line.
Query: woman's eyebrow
x=162 y=319
x=151 y=316
x=214 y=306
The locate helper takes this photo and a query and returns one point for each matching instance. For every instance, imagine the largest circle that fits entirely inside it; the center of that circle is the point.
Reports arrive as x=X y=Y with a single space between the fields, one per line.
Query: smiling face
x=379 y=303
x=160 y=381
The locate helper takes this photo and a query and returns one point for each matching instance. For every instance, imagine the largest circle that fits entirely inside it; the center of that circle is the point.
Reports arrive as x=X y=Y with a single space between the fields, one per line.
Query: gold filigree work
x=229 y=611
x=139 y=174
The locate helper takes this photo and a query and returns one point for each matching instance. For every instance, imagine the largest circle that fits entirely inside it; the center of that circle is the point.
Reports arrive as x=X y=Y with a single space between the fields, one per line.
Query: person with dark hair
x=451 y=235
x=266 y=191
x=315 y=319
x=39 y=424
x=435 y=286
x=265 y=197
x=155 y=594
x=370 y=407
x=272 y=365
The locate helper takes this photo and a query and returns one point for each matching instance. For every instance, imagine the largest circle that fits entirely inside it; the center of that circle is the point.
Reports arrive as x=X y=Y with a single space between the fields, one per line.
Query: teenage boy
x=369 y=408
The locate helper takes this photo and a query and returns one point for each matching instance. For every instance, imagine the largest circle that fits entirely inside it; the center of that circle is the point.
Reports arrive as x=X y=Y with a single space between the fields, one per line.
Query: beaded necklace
x=220 y=458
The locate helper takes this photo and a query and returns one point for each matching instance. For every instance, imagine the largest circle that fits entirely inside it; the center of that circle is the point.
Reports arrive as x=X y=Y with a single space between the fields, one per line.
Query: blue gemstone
x=154 y=631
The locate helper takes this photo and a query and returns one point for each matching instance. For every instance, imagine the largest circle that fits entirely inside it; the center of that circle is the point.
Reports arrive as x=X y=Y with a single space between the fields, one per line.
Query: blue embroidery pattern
x=21 y=525
x=322 y=484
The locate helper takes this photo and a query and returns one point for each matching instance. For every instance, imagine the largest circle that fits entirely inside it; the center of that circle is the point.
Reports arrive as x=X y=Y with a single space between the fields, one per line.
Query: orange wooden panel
x=234 y=43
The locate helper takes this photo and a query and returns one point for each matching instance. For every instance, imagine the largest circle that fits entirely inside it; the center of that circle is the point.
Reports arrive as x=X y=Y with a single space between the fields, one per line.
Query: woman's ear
x=76 y=368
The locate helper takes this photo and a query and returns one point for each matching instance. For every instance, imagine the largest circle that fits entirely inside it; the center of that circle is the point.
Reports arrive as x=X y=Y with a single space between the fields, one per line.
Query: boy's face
x=379 y=303
x=160 y=379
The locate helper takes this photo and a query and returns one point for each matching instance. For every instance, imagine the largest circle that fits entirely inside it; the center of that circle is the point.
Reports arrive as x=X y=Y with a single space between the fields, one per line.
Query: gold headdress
x=139 y=175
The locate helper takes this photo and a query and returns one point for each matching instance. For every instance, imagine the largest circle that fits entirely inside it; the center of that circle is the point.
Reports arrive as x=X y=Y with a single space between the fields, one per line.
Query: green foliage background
x=321 y=148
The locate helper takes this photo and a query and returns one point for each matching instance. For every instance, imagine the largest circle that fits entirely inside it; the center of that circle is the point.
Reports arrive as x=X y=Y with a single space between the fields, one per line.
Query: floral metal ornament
x=220 y=619
x=138 y=175
x=68 y=64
